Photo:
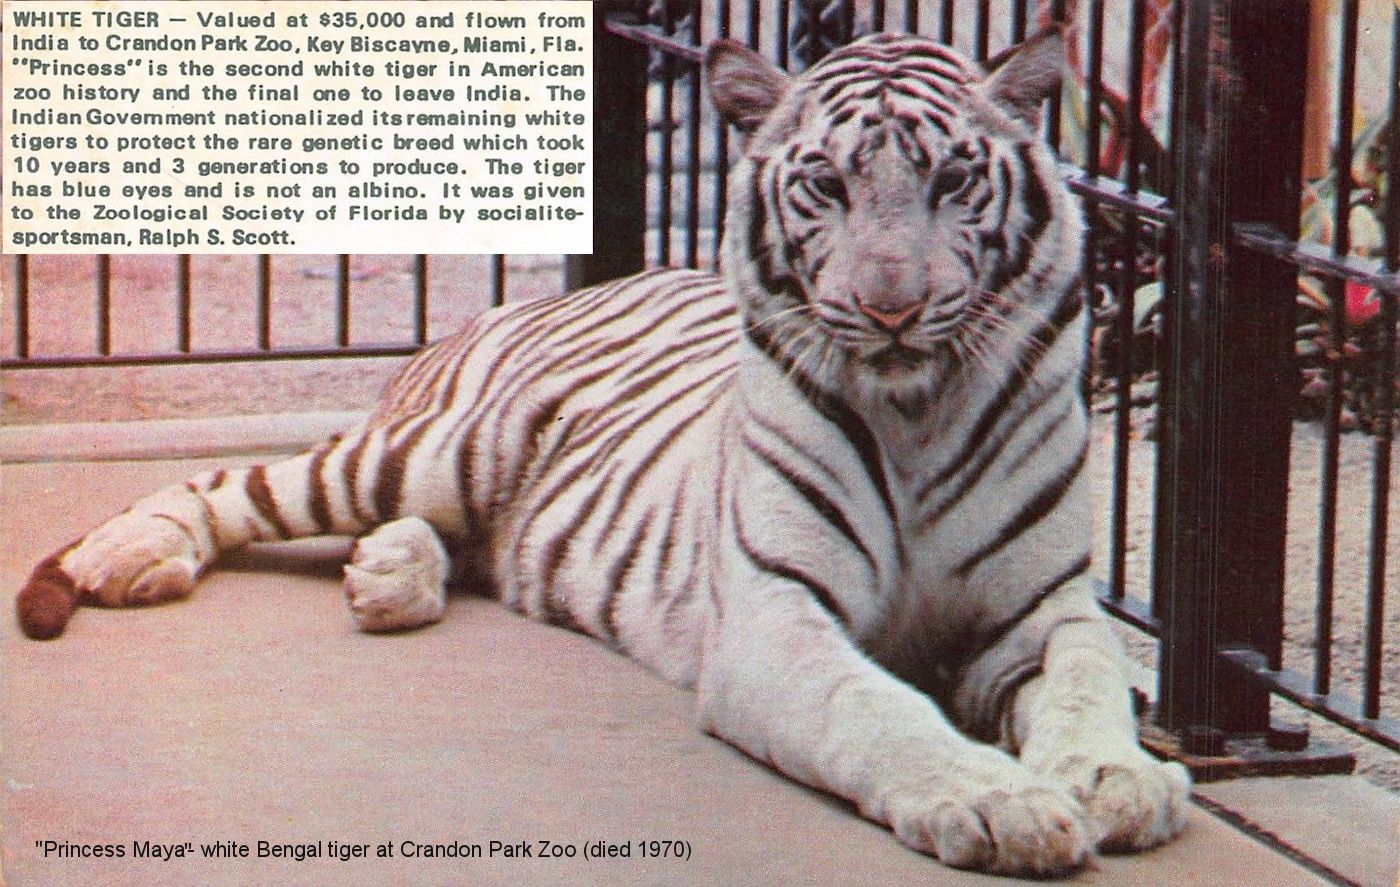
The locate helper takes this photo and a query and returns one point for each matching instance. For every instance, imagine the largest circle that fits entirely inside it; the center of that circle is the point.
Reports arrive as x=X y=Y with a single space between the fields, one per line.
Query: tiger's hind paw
x=396 y=578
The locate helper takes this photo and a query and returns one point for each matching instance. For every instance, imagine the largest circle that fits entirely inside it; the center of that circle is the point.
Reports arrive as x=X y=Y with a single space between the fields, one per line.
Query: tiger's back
x=531 y=437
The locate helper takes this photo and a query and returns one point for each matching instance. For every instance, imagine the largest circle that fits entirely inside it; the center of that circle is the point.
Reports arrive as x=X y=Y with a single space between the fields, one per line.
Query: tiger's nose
x=893 y=316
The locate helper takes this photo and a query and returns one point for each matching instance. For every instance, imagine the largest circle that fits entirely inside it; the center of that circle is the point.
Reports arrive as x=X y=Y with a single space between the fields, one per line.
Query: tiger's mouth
x=896 y=358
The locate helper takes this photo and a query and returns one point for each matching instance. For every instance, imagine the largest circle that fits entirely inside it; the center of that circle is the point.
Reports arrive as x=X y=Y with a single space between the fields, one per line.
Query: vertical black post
x=1226 y=410
x=1188 y=410
x=619 y=151
x=1260 y=374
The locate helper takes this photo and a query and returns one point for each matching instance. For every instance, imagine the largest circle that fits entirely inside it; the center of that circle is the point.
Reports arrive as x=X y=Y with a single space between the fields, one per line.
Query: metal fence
x=182 y=349
x=1182 y=132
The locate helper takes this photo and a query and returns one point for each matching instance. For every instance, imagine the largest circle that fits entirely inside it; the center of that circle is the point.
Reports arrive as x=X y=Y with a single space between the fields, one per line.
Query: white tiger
x=839 y=491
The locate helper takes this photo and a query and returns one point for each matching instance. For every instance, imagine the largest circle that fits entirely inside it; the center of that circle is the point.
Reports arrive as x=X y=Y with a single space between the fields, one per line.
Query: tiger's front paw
x=1037 y=829
x=1135 y=801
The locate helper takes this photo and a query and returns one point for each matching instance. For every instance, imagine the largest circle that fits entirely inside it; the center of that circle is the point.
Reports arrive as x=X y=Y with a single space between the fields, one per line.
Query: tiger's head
x=895 y=211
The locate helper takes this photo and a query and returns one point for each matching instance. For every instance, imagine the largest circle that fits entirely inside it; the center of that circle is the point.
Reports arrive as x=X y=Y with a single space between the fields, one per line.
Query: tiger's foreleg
x=781 y=680
x=1075 y=721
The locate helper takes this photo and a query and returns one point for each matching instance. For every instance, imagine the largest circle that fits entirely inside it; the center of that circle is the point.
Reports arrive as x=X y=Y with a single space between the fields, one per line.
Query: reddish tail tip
x=46 y=602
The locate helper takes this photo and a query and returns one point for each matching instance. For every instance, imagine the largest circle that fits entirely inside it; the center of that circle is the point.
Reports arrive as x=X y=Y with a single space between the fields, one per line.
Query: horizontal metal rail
x=1113 y=194
x=1339 y=708
x=1315 y=257
x=1335 y=707
x=657 y=40
x=170 y=358
x=1131 y=610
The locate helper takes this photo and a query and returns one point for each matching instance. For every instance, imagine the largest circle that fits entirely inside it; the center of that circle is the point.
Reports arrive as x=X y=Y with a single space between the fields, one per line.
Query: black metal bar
x=420 y=299
x=1112 y=193
x=666 y=157
x=982 y=32
x=264 y=319
x=692 y=150
x=812 y=25
x=59 y=362
x=945 y=22
x=22 y=306
x=1327 y=504
x=877 y=17
x=104 y=304
x=1052 y=120
x=1134 y=612
x=752 y=32
x=1383 y=425
x=619 y=138
x=721 y=135
x=1309 y=256
x=648 y=36
x=783 y=32
x=1260 y=373
x=184 y=302
x=342 y=301
x=1093 y=77
x=498 y=280
x=1383 y=422
x=1336 y=289
x=1123 y=326
x=911 y=16
x=1132 y=111
x=1226 y=420
x=1018 y=21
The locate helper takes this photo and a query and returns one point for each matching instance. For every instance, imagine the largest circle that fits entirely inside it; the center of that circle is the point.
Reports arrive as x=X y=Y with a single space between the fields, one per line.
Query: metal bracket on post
x=1222 y=468
x=619 y=150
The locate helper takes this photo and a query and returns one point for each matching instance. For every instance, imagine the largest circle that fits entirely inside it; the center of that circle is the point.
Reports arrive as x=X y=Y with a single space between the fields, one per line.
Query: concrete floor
x=254 y=712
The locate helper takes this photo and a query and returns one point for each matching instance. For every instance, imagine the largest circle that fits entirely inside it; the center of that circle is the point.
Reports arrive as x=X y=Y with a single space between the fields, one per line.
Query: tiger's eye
x=948 y=181
x=829 y=185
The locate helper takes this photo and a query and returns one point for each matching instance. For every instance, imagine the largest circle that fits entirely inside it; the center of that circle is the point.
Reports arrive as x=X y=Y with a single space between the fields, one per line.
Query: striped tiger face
x=894 y=204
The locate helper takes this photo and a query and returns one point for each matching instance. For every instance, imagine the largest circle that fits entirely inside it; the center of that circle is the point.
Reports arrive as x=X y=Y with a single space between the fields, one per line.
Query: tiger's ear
x=744 y=86
x=1023 y=76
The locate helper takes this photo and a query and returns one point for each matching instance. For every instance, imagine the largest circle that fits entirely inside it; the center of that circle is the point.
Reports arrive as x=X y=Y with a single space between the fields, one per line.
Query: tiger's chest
x=975 y=526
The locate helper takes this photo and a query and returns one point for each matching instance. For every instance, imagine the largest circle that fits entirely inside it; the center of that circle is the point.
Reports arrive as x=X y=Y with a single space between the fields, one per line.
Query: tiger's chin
x=899 y=374
x=897 y=360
